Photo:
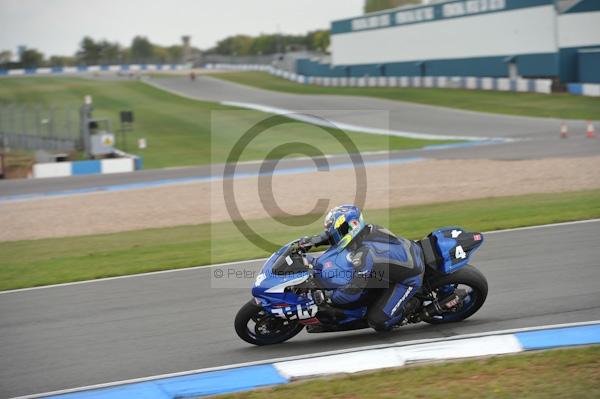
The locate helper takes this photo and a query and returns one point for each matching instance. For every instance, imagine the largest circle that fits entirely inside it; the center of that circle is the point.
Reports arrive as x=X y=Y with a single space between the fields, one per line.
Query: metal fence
x=38 y=127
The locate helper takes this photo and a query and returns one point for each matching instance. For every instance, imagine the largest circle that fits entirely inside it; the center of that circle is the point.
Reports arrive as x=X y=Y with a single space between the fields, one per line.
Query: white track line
x=305 y=356
x=243 y=262
x=312 y=119
x=542 y=226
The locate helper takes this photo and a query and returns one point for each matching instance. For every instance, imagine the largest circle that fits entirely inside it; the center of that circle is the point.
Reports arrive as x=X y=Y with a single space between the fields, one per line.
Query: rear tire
x=278 y=330
x=467 y=276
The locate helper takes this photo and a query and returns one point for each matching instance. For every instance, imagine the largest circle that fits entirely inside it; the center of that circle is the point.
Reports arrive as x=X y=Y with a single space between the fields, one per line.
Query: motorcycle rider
x=372 y=252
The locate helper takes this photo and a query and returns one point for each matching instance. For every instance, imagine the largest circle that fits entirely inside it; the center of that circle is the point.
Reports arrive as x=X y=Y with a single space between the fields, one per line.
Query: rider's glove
x=306 y=243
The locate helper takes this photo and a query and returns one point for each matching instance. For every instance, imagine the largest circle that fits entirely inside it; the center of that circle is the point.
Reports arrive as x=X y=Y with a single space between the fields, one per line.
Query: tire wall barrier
x=92 y=68
x=447 y=82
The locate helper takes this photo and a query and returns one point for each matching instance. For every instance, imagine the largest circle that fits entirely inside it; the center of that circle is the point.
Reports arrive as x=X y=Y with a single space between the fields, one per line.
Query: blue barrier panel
x=575 y=88
x=543 y=339
x=82 y=68
x=30 y=71
x=57 y=69
x=203 y=384
x=85 y=167
x=104 y=67
x=138 y=163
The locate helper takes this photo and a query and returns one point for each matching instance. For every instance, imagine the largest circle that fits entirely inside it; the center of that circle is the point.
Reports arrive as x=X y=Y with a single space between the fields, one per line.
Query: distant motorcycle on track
x=288 y=292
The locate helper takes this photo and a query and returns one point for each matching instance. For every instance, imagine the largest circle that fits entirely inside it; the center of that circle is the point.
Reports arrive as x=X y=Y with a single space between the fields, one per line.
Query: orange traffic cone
x=591 y=131
x=564 y=131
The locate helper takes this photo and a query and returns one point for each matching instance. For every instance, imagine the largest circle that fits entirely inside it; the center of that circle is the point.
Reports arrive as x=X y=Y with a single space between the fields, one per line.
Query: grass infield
x=556 y=105
x=177 y=129
x=59 y=260
x=565 y=373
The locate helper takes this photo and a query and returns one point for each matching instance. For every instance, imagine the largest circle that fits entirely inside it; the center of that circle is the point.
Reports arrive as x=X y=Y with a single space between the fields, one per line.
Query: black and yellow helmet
x=343 y=223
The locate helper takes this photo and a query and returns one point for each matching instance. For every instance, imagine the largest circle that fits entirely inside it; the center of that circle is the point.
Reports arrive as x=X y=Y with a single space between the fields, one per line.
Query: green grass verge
x=559 y=105
x=59 y=260
x=178 y=130
x=565 y=373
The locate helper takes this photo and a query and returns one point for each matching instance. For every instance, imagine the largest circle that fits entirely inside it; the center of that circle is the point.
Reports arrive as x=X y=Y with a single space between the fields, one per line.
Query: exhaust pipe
x=436 y=308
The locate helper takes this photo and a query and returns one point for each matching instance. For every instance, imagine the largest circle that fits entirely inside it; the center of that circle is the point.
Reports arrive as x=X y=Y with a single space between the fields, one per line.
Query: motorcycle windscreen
x=449 y=248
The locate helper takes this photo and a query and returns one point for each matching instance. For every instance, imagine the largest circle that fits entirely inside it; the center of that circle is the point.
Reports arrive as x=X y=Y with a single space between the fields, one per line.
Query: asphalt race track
x=75 y=335
x=536 y=137
x=365 y=111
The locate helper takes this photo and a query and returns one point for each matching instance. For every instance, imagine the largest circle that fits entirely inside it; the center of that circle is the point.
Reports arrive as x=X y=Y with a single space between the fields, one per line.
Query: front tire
x=257 y=327
x=468 y=278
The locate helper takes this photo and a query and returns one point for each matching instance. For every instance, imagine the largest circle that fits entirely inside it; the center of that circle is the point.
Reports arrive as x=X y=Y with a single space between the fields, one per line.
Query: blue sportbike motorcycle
x=288 y=292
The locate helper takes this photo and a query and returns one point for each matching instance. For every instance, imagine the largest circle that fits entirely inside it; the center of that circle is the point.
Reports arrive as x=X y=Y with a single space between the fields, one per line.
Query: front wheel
x=255 y=326
x=468 y=279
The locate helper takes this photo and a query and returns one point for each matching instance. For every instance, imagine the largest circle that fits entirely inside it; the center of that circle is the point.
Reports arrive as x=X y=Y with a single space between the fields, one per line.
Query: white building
x=497 y=38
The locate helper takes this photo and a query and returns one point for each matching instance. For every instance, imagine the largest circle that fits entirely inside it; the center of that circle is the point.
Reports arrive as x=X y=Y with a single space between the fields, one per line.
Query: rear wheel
x=468 y=279
x=255 y=326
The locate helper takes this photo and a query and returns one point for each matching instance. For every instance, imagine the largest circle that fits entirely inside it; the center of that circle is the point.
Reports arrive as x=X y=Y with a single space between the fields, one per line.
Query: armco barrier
x=77 y=168
x=244 y=377
x=456 y=82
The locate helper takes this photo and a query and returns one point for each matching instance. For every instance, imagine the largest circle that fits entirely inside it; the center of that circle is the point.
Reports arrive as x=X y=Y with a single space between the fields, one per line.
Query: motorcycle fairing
x=449 y=248
x=279 y=272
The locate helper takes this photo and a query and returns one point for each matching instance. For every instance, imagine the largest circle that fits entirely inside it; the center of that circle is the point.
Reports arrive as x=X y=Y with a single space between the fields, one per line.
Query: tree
x=175 y=53
x=31 y=58
x=378 y=5
x=5 y=59
x=270 y=43
x=108 y=53
x=61 y=61
x=318 y=40
x=264 y=44
x=161 y=55
x=142 y=50
x=101 y=52
x=5 y=56
x=125 y=56
x=89 y=51
x=235 y=45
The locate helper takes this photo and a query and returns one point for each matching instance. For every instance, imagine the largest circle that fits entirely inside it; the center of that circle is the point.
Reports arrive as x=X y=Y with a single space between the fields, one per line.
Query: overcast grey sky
x=57 y=26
